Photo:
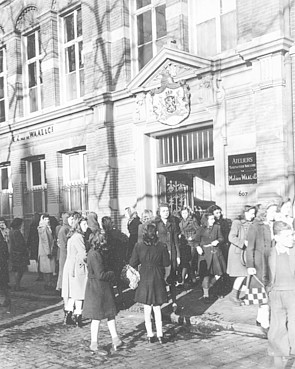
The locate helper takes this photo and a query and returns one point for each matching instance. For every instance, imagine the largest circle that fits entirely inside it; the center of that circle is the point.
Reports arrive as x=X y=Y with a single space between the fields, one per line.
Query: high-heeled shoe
x=149 y=339
x=78 y=320
x=117 y=343
x=68 y=318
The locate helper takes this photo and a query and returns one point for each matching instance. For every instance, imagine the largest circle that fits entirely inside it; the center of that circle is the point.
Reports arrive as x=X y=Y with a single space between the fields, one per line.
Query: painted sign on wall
x=242 y=169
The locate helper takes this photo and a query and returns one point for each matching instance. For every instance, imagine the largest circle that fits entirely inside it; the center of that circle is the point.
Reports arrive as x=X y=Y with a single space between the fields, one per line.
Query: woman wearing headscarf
x=153 y=257
x=62 y=240
x=238 y=237
x=93 y=226
x=260 y=238
x=75 y=271
x=4 y=256
x=132 y=225
x=18 y=251
x=99 y=296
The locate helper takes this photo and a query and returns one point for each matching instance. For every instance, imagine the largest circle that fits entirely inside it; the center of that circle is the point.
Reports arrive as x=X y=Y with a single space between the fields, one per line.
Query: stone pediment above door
x=177 y=64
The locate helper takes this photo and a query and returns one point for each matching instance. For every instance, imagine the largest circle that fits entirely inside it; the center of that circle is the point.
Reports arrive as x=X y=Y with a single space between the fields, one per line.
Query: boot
x=234 y=296
x=78 y=320
x=68 y=318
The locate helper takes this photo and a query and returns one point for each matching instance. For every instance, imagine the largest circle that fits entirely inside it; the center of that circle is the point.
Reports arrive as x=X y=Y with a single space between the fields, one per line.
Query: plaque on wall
x=242 y=169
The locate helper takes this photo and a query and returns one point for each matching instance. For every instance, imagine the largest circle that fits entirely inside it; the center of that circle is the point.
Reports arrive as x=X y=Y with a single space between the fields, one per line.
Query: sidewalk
x=220 y=314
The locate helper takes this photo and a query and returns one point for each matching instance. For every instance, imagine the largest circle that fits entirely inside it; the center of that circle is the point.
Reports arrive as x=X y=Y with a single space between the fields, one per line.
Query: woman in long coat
x=260 y=236
x=153 y=257
x=18 y=251
x=239 y=241
x=62 y=240
x=75 y=271
x=211 y=262
x=99 y=301
x=132 y=225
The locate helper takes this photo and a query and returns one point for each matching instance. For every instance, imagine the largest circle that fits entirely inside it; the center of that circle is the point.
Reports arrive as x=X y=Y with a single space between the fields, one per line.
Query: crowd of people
x=170 y=250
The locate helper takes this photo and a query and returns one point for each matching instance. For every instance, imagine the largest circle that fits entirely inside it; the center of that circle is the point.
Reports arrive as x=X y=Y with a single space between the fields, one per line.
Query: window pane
x=145 y=54
x=36 y=173
x=32 y=75
x=40 y=72
x=4 y=178
x=161 y=21
x=228 y=24
x=160 y=43
x=81 y=59
x=31 y=50
x=206 y=38
x=33 y=96
x=44 y=166
x=69 y=27
x=74 y=167
x=144 y=28
x=71 y=86
x=1 y=61
x=39 y=42
x=71 y=59
x=2 y=111
x=1 y=87
x=85 y=174
x=79 y=23
x=37 y=195
x=142 y=3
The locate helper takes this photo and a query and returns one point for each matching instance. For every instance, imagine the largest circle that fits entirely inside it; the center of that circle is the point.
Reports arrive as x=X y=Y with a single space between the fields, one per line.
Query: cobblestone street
x=43 y=342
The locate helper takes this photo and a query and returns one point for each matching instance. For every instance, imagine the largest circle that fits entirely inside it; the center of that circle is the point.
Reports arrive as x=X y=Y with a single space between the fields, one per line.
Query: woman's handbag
x=255 y=295
x=131 y=276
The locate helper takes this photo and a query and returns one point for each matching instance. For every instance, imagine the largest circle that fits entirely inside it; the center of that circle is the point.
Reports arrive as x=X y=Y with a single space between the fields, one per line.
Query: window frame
x=37 y=188
x=64 y=46
x=10 y=188
x=3 y=75
x=217 y=13
x=66 y=168
x=134 y=30
x=37 y=59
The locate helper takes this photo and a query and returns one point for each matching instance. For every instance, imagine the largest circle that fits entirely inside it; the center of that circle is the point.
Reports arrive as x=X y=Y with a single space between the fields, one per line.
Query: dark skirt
x=4 y=274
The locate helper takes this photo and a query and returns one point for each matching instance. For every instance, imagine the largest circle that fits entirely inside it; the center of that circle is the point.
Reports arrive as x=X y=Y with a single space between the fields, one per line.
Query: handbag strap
x=258 y=280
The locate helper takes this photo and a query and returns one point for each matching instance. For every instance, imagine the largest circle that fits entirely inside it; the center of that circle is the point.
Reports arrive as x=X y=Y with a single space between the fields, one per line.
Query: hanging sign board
x=242 y=169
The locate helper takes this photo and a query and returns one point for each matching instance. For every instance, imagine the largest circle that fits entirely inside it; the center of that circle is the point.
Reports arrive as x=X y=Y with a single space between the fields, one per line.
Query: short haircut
x=280 y=226
x=164 y=205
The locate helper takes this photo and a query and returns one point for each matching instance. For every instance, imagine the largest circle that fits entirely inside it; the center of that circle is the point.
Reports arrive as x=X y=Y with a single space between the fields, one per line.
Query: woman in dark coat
x=33 y=242
x=99 y=300
x=153 y=257
x=210 y=254
x=132 y=225
x=4 y=272
x=260 y=236
x=19 y=252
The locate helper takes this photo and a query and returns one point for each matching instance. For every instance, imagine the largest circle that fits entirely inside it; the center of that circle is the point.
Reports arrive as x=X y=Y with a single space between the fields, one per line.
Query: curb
x=34 y=296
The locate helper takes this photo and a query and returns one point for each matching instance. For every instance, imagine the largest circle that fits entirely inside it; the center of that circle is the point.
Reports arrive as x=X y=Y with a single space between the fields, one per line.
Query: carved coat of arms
x=171 y=101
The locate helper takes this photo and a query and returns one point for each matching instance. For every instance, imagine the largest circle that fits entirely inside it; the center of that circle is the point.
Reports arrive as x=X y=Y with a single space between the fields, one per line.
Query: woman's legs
x=113 y=331
x=148 y=320
x=78 y=307
x=94 y=327
x=158 y=320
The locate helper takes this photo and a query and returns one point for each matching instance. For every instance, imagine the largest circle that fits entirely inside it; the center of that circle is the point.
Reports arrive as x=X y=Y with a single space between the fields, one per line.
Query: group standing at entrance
x=170 y=251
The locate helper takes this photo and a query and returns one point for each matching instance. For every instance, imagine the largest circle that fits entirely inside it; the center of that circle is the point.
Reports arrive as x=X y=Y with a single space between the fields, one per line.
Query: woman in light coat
x=46 y=244
x=75 y=271
x=239 y=241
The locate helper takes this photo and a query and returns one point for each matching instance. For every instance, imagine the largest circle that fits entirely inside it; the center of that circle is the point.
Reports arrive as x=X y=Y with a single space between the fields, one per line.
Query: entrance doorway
x=187 y=187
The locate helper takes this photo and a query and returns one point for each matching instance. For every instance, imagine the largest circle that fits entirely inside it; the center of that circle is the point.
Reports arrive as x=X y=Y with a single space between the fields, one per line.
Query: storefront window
x=151 y=29
x=34 y=57
x=74 y=61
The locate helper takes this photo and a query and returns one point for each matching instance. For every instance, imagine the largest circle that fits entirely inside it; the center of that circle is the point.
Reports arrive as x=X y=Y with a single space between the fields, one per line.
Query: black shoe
x=68 y=318
x=150 y=339
x=78 y=320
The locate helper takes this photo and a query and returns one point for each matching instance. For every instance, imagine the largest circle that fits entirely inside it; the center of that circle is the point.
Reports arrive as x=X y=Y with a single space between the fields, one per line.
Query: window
x=34 y=57
x=75 y=186
x=150 y=29
x=74 y=61
x=6 y=192
x=213 y=26
x=37 y=184
x=192 y=146
x=2 y=85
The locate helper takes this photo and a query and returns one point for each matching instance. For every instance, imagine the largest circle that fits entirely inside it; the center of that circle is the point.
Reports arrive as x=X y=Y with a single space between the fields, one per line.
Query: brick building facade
x=108 y=104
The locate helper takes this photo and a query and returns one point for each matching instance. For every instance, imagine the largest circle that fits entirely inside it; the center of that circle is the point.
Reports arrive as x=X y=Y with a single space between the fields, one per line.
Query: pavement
x=219 y=314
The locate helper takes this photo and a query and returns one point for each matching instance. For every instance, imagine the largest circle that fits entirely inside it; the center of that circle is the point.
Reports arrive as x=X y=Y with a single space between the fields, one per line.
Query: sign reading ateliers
x=242 y=169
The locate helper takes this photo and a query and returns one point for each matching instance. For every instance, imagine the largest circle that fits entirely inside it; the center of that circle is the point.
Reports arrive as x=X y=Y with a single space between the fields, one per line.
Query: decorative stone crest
x=27 y=18
x=171 y=101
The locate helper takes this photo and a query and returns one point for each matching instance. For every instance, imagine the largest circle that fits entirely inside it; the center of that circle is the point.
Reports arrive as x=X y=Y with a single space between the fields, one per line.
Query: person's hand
x=199 y=250
x=178 y=260
x=214 y=243
x=251 y=271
